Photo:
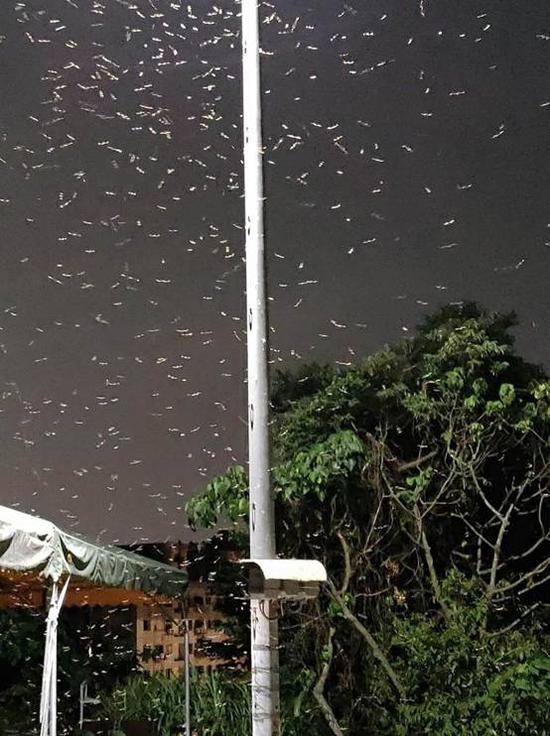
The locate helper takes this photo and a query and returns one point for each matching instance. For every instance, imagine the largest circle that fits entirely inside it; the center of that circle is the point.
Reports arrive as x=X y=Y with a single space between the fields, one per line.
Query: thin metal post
x=82 y=696
x=187 y=686
x=264 y=630
x=53 y=682
x=48 y=699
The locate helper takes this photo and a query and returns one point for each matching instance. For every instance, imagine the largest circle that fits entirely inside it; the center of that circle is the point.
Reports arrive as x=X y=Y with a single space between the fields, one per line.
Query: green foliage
x=323 y=466
x=287 y=388
x=315 y=470
x=420 y=477
x=20 y=638
x=156 y=699
x=226 y=497
x=477 y=684
x=84 y=653
x=221 y=704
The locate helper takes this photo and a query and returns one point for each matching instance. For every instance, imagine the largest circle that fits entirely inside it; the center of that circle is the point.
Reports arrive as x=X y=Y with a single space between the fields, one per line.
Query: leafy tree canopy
x=87 y=650
x=420 y=477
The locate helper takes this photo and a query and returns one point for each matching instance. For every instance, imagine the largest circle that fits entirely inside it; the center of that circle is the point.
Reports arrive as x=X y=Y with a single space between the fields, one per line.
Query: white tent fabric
x=29 y=544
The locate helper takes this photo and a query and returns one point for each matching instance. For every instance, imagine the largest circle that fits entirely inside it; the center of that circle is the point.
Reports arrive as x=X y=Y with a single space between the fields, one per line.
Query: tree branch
x=431 y=567
x=514 y=623
x=526 y=578
x=416 y=463
x=433 y=575
x=368 y=637
x=350 y=616
x=319 y=689
x=496 y=554
x=347 y=562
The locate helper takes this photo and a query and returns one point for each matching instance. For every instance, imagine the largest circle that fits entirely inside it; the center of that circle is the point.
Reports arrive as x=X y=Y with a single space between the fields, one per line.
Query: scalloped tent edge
x=29 y=544
x=34 y=550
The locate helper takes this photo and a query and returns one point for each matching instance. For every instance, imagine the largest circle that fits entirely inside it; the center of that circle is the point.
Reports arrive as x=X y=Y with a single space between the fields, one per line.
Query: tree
x=212 y=562
x=420 y=477
x=87 y=650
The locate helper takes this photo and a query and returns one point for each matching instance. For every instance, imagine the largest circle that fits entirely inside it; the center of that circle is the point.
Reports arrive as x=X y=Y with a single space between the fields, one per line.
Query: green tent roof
x=30 y=544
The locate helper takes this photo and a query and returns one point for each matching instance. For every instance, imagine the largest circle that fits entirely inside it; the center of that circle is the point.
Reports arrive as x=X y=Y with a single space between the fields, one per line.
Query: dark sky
x=407 y=165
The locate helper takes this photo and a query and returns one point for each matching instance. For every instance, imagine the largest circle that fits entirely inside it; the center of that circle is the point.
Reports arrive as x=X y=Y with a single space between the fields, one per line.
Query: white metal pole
x=82 y=697
x=53 y=681
x=187 y=686
x=48 y=699
x=264 y=631
x=50 y=643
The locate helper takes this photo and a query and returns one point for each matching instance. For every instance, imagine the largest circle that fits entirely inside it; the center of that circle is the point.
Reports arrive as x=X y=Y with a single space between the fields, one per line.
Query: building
x=160 y=634
x=159 y=629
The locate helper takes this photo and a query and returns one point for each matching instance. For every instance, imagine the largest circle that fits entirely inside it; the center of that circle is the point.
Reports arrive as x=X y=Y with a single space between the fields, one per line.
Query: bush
x=154 y=699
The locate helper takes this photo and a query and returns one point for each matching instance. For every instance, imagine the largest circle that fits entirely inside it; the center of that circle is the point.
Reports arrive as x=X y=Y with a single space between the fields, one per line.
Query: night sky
x=407 y=165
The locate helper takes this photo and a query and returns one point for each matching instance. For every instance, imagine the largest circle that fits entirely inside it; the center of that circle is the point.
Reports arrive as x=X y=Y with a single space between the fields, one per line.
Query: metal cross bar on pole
x=263 y=613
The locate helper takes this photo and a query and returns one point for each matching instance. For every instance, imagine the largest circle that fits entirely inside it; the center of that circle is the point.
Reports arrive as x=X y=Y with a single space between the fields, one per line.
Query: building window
x=168 y=627
x=146 y=624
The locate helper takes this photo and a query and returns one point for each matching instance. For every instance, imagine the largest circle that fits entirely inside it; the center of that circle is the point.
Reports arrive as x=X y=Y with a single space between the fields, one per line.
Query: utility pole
x=263 y=613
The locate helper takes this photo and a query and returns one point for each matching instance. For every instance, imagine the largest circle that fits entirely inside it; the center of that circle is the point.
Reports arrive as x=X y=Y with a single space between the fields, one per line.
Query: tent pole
x=48 y=698
x=187 y=683
x=53 y=681
x=45 y=696
x=81 y=716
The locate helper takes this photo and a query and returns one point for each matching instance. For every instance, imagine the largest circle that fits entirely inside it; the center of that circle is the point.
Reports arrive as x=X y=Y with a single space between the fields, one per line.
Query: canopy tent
x=36 y=555
x=32 y=545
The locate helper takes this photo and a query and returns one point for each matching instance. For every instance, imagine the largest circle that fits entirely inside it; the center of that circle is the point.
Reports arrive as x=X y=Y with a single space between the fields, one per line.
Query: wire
x=262 y=611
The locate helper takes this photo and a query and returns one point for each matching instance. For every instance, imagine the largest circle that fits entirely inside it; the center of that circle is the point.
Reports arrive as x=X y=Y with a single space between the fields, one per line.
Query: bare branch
x=368 y=637
x=531 y=549
x=347 y=562
x=486 y=501
x=516 y=622
x=416 y=463
x=431 y=567
x=319 y=689
x=527 y=578
x=496 y=552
